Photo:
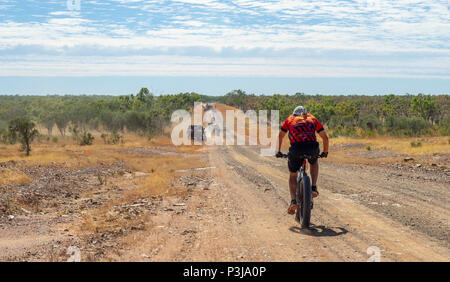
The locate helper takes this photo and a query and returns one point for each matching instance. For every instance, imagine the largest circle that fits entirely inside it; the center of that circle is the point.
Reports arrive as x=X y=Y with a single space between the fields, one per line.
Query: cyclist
x=302 y=128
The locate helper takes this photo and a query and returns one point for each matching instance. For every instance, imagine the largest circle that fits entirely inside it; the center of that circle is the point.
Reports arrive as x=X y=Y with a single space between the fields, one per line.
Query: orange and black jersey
x=300 y=129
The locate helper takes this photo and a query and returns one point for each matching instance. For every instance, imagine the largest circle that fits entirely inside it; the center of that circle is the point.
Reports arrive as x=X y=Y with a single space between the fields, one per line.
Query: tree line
x=141 y=113
x=359 y=115
x=146 y=114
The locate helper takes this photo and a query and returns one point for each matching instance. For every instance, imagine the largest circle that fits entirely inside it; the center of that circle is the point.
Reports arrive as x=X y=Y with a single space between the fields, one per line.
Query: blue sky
x=210 y=46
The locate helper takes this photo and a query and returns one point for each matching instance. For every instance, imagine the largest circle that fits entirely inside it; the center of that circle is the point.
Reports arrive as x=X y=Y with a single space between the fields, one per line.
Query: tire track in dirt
x=411 y=202
x=329 y=236
x=265 y=212
x=365 y=226
x=428 y=216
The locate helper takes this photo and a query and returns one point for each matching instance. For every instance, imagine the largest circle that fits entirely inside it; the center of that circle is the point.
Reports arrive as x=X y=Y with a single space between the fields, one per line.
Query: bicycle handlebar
x=305 y=156
x=283 y=156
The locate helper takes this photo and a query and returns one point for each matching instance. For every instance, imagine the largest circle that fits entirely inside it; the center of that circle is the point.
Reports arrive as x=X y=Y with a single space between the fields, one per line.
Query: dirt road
x=233 y=208
x=242 y=216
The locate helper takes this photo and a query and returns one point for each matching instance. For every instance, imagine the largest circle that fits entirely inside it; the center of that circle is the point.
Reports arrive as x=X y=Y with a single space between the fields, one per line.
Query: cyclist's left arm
x=321 y=131
x=325 y=141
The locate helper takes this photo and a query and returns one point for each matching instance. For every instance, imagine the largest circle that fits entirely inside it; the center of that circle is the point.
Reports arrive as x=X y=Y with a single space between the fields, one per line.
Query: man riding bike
x=302 y=128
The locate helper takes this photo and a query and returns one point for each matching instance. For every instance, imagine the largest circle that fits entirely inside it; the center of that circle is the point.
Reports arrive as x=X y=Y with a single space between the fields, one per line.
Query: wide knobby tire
x=306 y=194
x=299 y=201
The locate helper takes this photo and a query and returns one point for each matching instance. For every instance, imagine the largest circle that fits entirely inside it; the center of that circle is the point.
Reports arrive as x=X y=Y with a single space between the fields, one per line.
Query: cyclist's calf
x=293 y=184
x=314 y=170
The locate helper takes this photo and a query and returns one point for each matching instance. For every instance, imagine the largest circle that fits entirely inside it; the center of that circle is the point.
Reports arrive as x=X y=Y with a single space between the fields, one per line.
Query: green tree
x=48 y=119
x=277 y=102
x=23 y=130
x=86 y=139
x=144 y=99
x=394 y=105
x=424 y=106
x=387 y=108
x=62 y=121
x=369 y=122
x=237 y=98
x=349 y=108
x=321 y=111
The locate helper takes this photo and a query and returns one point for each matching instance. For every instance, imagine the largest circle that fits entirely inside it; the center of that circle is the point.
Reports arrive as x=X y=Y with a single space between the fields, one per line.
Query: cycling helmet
x=300 y=110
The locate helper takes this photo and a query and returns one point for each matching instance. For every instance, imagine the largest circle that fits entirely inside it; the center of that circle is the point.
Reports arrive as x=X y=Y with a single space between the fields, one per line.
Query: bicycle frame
x=303 y=178
x=304 y=193
x=302 y=171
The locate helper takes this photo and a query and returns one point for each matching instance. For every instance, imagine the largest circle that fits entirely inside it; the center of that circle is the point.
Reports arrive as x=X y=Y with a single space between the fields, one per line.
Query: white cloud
x=198 y=30
x=169 y=65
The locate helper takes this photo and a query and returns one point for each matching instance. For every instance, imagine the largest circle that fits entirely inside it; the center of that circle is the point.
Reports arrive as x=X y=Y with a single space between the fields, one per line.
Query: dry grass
x=429 y=145
x=66 y=153
x=69 y=154
x=159 y=161
x=8 y=176
x=385 y=150
x=158 y=183
x=160 y=169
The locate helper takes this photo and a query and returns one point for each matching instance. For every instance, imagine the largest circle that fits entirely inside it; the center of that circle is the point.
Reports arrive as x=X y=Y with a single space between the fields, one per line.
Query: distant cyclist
x=302 y=128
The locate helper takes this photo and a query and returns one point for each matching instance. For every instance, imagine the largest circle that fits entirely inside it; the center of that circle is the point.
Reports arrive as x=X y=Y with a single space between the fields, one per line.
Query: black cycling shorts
x=296 y=152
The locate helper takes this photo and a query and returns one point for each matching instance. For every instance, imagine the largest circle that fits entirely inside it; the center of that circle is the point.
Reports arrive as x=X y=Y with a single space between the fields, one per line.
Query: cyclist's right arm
x=283 y=130
x=280 y=139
